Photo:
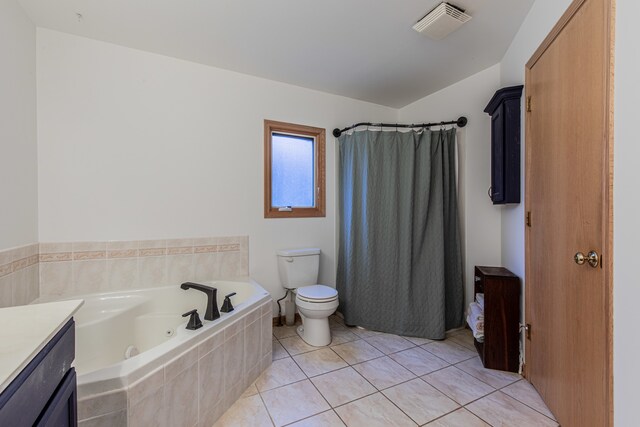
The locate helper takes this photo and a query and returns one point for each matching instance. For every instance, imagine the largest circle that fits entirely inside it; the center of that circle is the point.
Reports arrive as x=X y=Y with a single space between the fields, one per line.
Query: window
x=293 y=170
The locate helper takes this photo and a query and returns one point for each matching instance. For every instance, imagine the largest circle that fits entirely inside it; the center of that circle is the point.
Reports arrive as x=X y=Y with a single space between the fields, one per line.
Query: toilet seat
x=316 y=294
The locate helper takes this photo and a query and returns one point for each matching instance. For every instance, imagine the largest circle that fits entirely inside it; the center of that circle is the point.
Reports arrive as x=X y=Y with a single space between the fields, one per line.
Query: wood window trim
x=318 y=134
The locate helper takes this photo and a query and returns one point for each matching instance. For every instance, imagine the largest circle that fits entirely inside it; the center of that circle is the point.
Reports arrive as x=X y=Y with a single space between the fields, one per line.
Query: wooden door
x=568 y=193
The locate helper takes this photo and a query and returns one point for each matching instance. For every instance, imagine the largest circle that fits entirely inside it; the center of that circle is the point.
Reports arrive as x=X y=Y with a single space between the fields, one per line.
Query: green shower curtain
x=399 y=260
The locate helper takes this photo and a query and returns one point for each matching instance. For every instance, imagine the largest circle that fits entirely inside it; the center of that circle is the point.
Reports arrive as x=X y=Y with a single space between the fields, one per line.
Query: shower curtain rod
x=461 y=122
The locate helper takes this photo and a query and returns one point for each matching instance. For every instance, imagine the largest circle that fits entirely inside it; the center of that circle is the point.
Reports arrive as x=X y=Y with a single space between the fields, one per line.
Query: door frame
x=607 y=180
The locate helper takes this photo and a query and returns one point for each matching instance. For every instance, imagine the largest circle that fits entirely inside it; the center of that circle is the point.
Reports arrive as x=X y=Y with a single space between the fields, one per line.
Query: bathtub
x=136 y=361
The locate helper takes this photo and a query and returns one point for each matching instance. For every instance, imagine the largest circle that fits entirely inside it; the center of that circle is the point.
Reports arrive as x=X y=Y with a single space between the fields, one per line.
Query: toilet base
x=315 y=332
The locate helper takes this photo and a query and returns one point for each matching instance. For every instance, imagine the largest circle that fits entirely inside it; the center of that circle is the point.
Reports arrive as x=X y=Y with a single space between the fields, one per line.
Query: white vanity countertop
x=25 y=330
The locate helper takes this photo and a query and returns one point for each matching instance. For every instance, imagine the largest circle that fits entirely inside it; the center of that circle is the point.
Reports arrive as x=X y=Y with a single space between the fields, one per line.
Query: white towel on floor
x=480 y=300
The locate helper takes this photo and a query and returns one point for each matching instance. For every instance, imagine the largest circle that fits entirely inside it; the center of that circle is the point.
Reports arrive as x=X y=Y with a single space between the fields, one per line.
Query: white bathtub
x=151 y=321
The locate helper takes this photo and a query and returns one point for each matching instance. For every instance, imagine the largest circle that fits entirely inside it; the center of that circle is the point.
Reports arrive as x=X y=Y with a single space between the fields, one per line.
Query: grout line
x=380 y=390
x=314 y=415
x=273 y=423
x=455 y=410
x=525 y=404
x=399 y=408
x=314 y=386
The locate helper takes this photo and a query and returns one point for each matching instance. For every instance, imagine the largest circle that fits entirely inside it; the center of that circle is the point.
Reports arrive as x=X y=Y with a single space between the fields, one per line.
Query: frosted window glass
x=292 y=171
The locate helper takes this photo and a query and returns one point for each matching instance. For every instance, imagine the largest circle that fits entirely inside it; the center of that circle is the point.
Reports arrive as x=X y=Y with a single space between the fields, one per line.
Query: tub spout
x=211 y=313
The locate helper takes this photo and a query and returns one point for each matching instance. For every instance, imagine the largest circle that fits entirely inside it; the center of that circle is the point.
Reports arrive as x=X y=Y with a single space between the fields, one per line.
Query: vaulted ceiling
x=363 y=49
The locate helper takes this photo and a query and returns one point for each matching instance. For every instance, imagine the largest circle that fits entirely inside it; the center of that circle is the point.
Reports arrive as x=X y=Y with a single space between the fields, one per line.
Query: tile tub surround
x=88 y=267
x=196 y=387
x=19 y=275
x=368 y=379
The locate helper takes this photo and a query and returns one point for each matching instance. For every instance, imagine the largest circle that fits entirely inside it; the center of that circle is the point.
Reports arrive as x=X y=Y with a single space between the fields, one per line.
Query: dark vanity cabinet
x=501 y=346
x=504 y=109
x=44 y=392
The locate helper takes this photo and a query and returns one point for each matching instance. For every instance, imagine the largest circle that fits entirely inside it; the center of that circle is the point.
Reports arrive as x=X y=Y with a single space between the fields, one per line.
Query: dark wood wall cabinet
x=44 y=393
x=501 y=289
x=504 y=109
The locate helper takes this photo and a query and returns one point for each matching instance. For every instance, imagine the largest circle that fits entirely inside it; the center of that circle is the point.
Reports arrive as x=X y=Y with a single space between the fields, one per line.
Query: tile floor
x=371 y=379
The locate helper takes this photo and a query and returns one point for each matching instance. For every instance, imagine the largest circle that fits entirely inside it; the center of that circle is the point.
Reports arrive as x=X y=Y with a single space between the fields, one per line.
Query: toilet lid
x=317 y=293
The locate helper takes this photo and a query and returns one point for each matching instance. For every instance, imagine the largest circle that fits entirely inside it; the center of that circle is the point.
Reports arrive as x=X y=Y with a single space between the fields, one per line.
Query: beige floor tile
x=249 y=411
x=458 y=385
x=319 y=362
x=281 y=372
x=383 y=372
x=450 y=351
x=464 y=338
x=357 y=351
x=325 y=419
x=419 y=361
x=296 y=345
x=459 y=418
x=278 y=350
x=342 y=386
x=337 y=327
x=373 y=411
x=388 y=343
x=341 y=336
x=453 y=332
x=525 y=393
x=500 y=409
x=285 y=331
x=363 y=333
x=334 y=319
x=496 y=379
x=418 y=341
x=420 y=401
x=294 y=402
x=250 y=391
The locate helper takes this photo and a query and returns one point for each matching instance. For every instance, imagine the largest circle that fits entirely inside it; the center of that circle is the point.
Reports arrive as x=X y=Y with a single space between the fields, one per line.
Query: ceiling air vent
x=441 y=21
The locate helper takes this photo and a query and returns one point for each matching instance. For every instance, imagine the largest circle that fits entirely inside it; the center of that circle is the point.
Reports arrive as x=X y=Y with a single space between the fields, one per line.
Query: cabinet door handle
x=490 y=193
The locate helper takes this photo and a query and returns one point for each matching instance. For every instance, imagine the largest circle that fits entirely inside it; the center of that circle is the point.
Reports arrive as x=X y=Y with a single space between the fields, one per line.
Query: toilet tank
x=298 y=267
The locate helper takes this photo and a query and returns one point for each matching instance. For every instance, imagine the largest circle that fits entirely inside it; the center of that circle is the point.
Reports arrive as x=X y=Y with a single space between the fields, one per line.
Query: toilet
x=298 y=270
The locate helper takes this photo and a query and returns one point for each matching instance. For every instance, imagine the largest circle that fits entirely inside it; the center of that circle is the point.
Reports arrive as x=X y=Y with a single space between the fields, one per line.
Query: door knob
x=592 y=258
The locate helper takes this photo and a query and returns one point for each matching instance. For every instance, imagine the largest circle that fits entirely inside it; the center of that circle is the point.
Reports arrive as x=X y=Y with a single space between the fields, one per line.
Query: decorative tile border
x=86 y=255
x=5 y=270
x=76 y=268
x=19 y=275
x=206 y=249
x=180 y=251
x=123 y=253
x=151 y=250
x=15 y=259
x=62 y=256
x=69 y=268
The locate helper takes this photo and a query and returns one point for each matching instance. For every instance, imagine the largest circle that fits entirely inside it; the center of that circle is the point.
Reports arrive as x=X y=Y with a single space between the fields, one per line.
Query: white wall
x=135 y=145
x=539 y=21
x=18 y=148
x=626 y=205
x=541 y=18
x=480 y=220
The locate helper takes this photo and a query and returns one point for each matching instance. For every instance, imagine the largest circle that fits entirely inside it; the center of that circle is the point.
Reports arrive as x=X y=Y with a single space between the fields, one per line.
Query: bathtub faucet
x=211 y=313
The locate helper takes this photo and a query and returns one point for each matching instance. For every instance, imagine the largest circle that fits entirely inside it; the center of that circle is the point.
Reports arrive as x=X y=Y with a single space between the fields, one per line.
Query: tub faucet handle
x=194 y=321
x=226 y=305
